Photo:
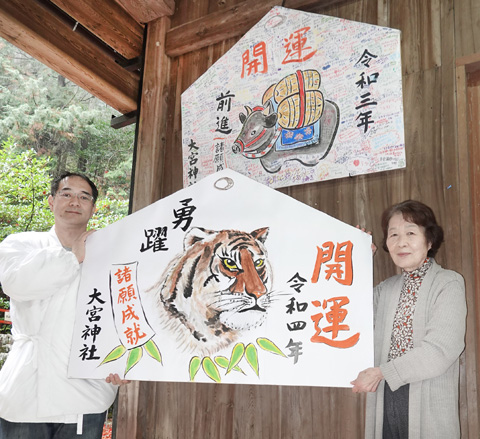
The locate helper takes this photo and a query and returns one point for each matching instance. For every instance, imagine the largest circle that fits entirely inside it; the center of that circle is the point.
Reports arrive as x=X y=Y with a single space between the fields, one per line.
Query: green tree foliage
x=24 y=188
x=42 y=111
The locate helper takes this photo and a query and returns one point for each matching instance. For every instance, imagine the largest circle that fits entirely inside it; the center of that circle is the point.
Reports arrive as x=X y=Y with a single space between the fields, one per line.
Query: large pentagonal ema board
x=226 y=281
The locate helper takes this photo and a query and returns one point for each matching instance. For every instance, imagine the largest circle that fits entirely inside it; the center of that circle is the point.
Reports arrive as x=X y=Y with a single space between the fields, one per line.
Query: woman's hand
x=367 y=380
x=116 y=380
x=374 y=247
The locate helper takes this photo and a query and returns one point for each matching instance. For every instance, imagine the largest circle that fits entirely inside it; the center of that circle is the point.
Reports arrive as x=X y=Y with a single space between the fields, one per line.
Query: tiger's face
x=219 y=286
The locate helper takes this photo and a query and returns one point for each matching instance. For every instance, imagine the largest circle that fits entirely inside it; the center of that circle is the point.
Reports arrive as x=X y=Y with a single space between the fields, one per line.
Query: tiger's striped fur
x=217 y=288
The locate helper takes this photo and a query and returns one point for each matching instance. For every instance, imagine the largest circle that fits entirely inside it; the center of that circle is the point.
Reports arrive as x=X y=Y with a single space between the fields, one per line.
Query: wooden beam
x=32 y=27
x=216 y=27
x=145 y=11
x=229 y=23
x=109 y=22
x=310 y=4
x=471 y=62
x=124 y=120
x=133 y=64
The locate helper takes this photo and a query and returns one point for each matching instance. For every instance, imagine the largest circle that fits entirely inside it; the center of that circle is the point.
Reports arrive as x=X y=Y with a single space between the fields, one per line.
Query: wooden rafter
x=145 y=11
x=34 y=28
x=109 y=22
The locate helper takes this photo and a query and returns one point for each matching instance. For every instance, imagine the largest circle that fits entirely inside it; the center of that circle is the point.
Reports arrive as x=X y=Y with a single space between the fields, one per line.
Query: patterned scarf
x=402 y=333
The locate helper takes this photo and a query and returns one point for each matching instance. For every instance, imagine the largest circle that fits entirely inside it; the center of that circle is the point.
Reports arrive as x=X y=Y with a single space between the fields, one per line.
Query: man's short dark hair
x=56 y=183
x=419 y=214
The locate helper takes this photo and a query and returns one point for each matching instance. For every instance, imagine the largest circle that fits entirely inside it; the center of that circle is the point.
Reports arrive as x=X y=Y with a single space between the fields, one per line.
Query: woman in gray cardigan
x=419 y=334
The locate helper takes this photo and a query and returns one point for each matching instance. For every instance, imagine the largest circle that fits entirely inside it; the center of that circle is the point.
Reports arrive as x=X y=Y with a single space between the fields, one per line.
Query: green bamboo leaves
x=153 y=351
x=134 y=354
x=195 y=364
x=239 y=352
x=208 y=366
x=115 y=354
x=269 y=346
x=223 y=362
x=252 y=357
x=211 y=370
x=237 y=355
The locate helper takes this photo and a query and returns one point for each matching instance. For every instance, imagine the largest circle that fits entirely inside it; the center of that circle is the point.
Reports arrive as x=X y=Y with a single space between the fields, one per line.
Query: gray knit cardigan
x=432 y=366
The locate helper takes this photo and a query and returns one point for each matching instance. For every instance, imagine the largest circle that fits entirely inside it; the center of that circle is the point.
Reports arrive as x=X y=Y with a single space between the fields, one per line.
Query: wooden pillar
x=148 y=172
x=126 y=408
x=150 y=148
x=468 y=109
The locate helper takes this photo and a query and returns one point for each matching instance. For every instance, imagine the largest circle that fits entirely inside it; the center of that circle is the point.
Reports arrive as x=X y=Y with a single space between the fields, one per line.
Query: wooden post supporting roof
x=149 y=168
x=153 y=115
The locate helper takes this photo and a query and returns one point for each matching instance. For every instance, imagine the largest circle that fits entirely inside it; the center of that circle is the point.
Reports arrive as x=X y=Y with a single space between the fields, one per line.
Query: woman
x=419 y=334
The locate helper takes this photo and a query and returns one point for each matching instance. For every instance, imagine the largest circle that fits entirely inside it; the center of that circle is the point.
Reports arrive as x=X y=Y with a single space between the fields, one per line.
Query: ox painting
x=294 y=123
x=300 y=98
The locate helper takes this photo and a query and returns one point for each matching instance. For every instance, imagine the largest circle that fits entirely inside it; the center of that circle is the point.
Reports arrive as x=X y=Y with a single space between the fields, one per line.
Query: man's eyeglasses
x=83 y=198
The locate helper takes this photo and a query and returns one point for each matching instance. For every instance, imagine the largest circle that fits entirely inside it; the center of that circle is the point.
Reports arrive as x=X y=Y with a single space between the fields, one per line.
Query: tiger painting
x=217 y=288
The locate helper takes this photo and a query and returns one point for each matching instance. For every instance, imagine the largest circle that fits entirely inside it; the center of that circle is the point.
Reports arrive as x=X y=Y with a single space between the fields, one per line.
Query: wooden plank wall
x=434 y=34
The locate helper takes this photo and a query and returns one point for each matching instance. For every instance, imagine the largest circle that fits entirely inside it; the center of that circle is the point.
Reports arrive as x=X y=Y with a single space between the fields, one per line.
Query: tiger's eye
x=259 y=263
x=230 y=264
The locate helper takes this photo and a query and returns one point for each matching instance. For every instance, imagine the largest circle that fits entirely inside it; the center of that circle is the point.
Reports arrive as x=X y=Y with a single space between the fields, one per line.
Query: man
x=40 y=271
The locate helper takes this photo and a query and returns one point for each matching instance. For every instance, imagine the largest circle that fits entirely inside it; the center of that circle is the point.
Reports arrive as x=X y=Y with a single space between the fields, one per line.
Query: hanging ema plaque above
x=300 y=98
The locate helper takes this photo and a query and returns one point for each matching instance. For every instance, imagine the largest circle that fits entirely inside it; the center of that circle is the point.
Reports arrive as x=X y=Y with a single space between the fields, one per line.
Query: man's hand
x=116 y=380
x=367 y=380
x=78 y=246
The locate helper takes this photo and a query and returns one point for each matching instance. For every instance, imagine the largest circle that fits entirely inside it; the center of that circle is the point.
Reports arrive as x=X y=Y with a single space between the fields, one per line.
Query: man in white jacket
x=40 y=272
